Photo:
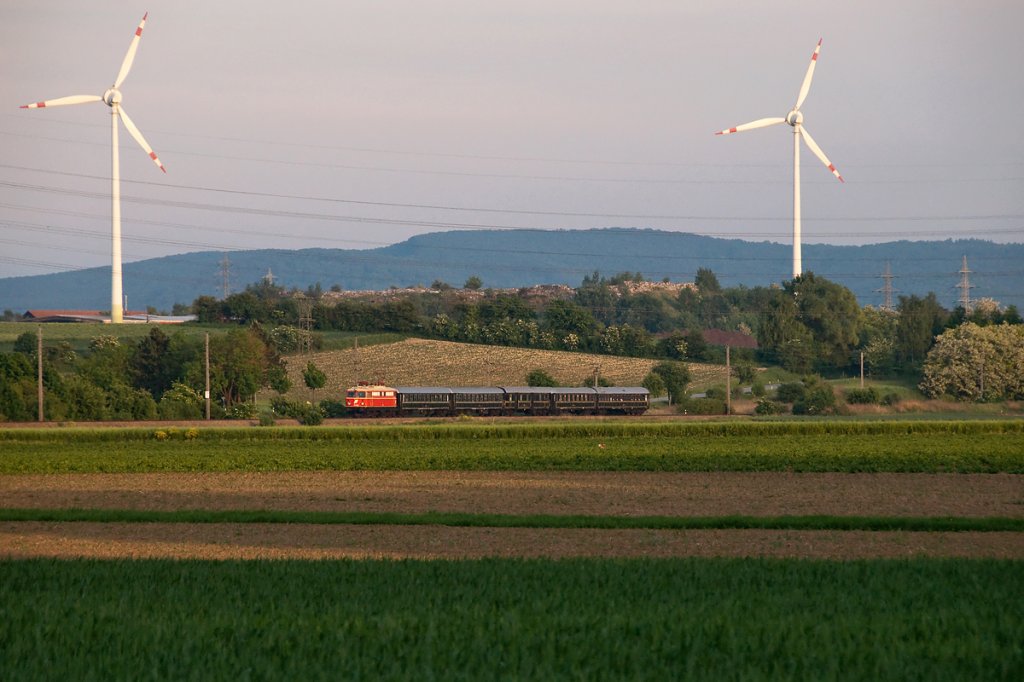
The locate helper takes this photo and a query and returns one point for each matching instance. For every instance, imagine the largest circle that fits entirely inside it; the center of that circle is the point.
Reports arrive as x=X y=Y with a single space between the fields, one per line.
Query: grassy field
x=512 y=619
x=421 y=362
x=470 y=520
x=78 y=335
x=926 y=446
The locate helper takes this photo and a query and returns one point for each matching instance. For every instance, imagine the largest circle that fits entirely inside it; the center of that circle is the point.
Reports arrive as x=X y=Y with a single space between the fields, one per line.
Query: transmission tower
x=965 y=287
x=225 y=276
x=887 y=291
x=305 y=306
x=269 y=277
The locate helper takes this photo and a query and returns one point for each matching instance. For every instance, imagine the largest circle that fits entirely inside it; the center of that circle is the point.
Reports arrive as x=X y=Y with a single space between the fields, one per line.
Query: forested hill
x=523 y=258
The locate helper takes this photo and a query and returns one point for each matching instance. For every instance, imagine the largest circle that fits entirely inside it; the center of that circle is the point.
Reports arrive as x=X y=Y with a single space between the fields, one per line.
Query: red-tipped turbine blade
x=134 y=132
x=807 y=78
x=61 y=101
x=759 y=123
x=813 y=146
x=126 y=65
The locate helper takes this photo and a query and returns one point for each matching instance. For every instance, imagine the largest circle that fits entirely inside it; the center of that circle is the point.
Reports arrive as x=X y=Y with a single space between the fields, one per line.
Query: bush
x=768 y=407
x=304 y=413
x=703 y=406
x=333 y=409
x=308 y=414
x=790 y=392
x=539 y=377
x=890 y=399
x=267 y=419
x=715 y=393
x=862 y=396
x=819 y=398
x=757 y=388
x=242 y=411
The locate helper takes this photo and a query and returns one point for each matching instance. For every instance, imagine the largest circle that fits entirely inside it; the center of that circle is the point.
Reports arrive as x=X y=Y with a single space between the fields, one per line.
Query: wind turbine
x=112 y=98
x=796 y=119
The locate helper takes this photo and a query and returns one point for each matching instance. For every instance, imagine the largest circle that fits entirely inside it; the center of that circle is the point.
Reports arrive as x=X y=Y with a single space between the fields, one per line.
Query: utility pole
x=728 y=383
x=965 y=287
x=355 y=358
x=39 y=370
x=597 y=375
x=862 y=369
x=207 y=394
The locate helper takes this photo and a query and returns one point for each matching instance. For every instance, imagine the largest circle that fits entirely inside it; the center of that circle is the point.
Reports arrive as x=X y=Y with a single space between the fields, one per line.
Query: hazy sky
x=358 y=124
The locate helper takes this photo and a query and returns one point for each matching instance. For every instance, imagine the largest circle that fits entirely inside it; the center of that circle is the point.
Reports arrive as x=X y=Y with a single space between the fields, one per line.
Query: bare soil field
x=596 y=493
x=425 y=362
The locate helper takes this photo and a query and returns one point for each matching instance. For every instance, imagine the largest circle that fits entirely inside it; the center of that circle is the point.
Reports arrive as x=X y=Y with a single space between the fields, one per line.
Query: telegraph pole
x=39 y=370
x=207 y=394
x=728 y=383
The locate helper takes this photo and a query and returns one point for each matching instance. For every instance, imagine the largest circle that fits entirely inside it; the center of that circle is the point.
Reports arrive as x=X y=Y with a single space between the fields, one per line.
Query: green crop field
x=512 y=619
x=960 y=446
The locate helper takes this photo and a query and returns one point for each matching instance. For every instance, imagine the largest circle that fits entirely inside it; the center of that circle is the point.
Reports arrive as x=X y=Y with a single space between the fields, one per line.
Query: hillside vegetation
x=421 y=362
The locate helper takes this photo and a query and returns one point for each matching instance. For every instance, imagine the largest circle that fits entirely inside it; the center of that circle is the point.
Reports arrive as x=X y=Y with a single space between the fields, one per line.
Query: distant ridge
x=526 y=257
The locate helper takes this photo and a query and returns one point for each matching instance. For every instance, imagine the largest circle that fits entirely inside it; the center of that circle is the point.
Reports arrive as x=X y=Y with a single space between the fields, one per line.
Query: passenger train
x=443 y=401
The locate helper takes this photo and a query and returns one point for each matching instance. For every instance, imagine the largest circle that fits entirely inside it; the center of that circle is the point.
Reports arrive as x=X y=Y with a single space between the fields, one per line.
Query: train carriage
x=443 y=401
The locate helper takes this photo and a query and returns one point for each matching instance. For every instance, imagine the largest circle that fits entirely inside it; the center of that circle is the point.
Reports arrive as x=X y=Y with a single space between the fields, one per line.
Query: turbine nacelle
x=794 y=118
x=112 y=97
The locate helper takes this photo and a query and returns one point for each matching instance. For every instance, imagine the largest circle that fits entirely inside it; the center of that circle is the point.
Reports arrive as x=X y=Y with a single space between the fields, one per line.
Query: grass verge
x=821 y=522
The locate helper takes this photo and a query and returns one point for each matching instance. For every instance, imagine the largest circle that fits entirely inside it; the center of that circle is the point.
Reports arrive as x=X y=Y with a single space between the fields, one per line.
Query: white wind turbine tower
x=795 y=118
x=112 y=98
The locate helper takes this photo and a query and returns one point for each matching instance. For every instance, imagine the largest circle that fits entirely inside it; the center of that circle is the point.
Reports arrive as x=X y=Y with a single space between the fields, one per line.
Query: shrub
x=241 y=411
x=768 y=407
x=267 y=419
x=819 y=398
x=790 y=392
x=890 y=399
x=333 y=409
x=308 y=414
x=703 y=406
x=862 y=396
x=757 y=388
x=539 y=377
x=715 y=393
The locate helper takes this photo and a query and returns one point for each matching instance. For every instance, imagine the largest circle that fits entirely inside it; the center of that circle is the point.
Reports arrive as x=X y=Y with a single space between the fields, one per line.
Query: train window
x=361 y=394
x=351 y=394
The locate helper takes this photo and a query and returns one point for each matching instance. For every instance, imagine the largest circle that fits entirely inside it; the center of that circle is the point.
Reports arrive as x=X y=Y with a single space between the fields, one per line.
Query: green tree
x=473 y=283
x=811 y=322
x=566 y=317
x=539 y=377
x=655 y=384
x=239 y=362
x=675 y=376
x=971 y=362
x=26 y=344
x=920 y=321
x=314 y=378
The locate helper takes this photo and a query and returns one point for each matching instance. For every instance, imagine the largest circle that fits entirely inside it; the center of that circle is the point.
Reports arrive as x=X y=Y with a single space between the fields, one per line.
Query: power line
x=51 y=120
x=489 y=226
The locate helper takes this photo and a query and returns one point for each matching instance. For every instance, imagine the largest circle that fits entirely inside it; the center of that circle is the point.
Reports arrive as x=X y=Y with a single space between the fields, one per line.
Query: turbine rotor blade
x=813 y=146
x=134 y=132
x=807 y=78
x=759 y=123
x=61 y=101
x=126 y=65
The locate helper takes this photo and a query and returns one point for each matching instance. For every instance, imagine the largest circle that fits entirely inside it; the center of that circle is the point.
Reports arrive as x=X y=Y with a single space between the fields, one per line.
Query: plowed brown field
x=596 y=493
